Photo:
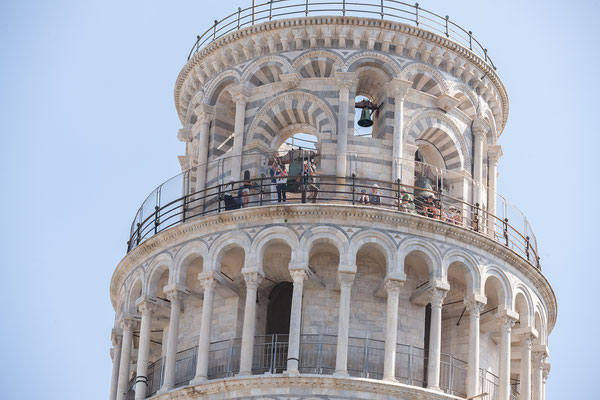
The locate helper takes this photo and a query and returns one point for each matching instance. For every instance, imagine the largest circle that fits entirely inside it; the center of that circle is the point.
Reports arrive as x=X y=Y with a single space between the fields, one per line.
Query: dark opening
x=426 y=342
x=279 y=308
x=418 y=156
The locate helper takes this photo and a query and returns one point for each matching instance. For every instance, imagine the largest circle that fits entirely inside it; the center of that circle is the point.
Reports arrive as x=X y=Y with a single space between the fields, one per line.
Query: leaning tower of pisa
x=384 y=265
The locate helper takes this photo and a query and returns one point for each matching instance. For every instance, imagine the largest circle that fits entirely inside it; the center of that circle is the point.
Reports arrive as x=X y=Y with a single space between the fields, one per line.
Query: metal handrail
x=317 y=356
x=411 y=14
x=336 y=190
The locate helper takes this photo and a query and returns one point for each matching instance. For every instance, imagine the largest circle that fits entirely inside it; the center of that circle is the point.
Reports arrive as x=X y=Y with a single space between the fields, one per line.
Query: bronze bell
x=365 y=118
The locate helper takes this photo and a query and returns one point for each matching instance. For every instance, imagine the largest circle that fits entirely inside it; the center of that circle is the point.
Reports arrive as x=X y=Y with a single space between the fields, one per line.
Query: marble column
x=538 y=374
x=544 y=378
x=117 y=340
x=474 y=308
x=205 y=116
x=208 y=284
x=478 y=138
x=298 y=277
x=494 y=154
x=399 y=91
x=525 y=374
x=344 y=80
x=392 y=287
x=345 y=280
x=127 y=326
x=435 y=338
x=176 y=299
x=240 y=96
x=253 y=280
x=506 y=324
x=141 y=381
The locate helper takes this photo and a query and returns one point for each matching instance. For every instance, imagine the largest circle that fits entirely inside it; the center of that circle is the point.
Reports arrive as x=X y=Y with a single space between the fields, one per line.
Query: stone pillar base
x=198 y=380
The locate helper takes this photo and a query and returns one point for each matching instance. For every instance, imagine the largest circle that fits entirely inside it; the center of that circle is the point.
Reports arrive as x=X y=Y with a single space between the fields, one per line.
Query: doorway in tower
x=275 y=343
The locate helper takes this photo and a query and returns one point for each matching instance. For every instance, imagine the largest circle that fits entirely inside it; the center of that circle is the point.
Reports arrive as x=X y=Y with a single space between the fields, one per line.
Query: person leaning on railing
x=308 y=174
x=406 y=202
x=231 y=202
x=375 y=196
x=430 y=208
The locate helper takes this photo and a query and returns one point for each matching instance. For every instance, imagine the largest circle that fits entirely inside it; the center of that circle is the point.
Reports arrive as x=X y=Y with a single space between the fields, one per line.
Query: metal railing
x=421 y=199
x=411 y=14
x=317 y=356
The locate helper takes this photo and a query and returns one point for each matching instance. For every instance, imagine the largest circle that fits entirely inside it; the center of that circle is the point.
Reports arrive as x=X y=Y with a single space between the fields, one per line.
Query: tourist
x=407 y=204
x=231 y=202
x=364 y=197
x=375 y=196
x=281 y=181
x=309 y=172
x=430 y=209
x=244 y=190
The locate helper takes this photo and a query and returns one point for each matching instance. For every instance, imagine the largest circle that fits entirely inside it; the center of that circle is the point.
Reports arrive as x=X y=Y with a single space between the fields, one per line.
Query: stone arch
x=188 y=252
x=378 y=239
x=492 y=133
x=161 y=263
x=266 y=70
x=432 y=257
x=288 y=109
x=438 y=129
x=317 y=64
x=424 y=78
x=539 y=319
x=267 y=235
x=224 y=243
x=466 y=103
x=523 y=306
x=136 y=282
x=469 y=267
x=328 y=234
x=494 y=271
x=386 y=63
x=218 y=84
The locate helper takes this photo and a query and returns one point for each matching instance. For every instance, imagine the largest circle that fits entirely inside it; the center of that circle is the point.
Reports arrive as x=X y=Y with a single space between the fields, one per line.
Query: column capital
x=393 y=286
x=538 y=358
x=494 y=153
x=253 y=279
x=475 y=304
x=528 y=341
x=479 y=128
x=345 y=279
x=240 y=94
x=399 y=88
x=437 y=296
x=506 y=323
x=292 y=79
x=298 y=275
x=345 y=80
x=207 y=281
x=116 y=337
x=128 y=324
x=185 y=135
x=176 y=297
x=146 y=305
x=204 y=112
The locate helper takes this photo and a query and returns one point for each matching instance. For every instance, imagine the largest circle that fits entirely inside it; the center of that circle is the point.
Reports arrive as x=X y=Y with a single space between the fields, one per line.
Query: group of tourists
x=425 y=205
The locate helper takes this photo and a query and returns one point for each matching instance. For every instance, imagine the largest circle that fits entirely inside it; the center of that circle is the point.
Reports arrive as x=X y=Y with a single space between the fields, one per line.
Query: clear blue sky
x=89 y=128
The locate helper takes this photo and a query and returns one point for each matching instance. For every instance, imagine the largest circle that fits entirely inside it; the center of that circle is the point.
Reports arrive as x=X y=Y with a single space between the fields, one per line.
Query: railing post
x=417 y=13
x=270 y=9
x=527 y=247
x=344 y=8
x=303 y=179
x=184 y=208
x=230 y=358
x=215 y=29
x=447 y=18
x=505 y=230
x=470 y=40
x=366 y=358
x=219 y=194
x=262 y=189
x=476 y=222
x=485 y=52
x=353 y=187
x=239 y=16
x=441 y=205
x=156 y=208
x=410 y=363
x=398 y=199
x=451 y=378
x=273 y=344
x=382 y=9
x=138 y=233
x=318 y=367
x=306 y=11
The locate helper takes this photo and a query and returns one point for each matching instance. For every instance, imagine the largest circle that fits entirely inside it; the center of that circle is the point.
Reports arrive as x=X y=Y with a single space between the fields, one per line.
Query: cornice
x=361 y=216
x=272 y=26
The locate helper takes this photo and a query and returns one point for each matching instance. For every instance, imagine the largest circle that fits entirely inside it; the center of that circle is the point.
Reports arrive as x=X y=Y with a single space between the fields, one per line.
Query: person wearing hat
x=375 y=196
x=407 y=204
x=364 y=197
x=430 y=209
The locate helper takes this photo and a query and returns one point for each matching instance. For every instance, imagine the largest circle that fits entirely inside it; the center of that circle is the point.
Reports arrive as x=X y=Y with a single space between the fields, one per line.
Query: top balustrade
x=411 y=14
x=175 y=201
